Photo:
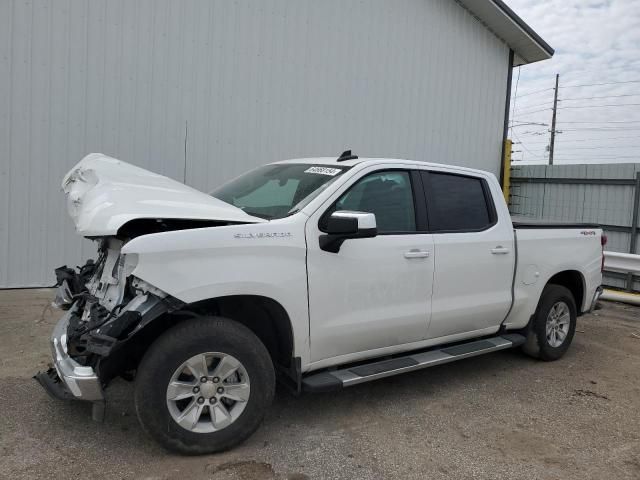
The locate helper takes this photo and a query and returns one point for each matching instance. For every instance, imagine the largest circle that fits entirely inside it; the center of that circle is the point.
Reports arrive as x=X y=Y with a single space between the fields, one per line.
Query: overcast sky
x=595 y=42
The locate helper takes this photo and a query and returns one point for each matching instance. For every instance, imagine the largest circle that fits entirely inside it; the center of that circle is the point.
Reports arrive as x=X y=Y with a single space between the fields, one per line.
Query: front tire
x=553 y=326
x=204 y=386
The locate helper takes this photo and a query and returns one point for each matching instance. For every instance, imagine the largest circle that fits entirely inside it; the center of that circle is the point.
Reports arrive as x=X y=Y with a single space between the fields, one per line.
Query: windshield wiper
x=259 y=215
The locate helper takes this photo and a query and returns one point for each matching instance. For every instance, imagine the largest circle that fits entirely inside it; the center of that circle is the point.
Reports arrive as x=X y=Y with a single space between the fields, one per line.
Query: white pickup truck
x=321 y=272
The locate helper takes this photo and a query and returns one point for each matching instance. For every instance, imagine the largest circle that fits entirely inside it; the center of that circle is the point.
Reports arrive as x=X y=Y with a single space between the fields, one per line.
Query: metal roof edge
x=524 y=26
x=502 y=21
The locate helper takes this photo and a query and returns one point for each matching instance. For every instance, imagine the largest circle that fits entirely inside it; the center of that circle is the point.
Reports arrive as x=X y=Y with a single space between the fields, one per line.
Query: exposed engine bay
x=107 y=305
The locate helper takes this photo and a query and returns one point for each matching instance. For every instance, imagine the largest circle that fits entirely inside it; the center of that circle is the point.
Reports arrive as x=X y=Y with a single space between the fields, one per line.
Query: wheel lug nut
x=212 y=400
x=216 y=379
x=220 y=390
x=196 y=389
x=200 y=400
x=203 y=379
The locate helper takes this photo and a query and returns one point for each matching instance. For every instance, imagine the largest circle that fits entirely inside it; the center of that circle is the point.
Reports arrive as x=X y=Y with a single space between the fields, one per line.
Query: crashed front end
x=105 y=308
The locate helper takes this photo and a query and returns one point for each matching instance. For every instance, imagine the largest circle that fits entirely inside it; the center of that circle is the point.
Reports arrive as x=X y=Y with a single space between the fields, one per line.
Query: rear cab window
x=458 y=203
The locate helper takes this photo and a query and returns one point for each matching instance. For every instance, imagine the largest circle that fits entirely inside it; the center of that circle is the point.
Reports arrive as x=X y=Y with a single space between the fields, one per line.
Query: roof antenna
x=346 y=155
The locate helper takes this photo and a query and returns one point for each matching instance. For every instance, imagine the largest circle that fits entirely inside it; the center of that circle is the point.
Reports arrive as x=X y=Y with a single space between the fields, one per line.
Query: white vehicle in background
x=322 y=272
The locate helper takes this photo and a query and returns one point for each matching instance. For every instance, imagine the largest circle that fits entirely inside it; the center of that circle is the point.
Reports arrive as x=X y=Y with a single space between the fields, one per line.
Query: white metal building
x=202 y=90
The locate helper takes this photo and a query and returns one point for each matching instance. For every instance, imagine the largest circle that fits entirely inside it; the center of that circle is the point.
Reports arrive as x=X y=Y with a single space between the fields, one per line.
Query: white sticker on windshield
x=323 y=171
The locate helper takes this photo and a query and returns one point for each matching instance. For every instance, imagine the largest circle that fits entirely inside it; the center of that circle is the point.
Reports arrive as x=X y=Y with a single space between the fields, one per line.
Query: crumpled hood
x=104 y=193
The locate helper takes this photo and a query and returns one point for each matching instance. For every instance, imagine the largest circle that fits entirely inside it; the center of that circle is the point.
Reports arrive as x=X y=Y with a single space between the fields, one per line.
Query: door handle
x=499 y=250
x=416 y=253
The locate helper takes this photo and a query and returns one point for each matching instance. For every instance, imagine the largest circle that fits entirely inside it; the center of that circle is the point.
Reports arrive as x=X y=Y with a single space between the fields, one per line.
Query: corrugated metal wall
x=244 y=82
x=603 y=204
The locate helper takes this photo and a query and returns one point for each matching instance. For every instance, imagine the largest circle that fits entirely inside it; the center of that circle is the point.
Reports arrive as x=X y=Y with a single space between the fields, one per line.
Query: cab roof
x=366 y=161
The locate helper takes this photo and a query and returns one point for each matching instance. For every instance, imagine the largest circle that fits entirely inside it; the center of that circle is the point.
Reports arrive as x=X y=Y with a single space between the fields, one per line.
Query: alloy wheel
x=208 y=392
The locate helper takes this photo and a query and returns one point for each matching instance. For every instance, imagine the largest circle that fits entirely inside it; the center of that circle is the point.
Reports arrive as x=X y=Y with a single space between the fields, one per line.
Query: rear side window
x=457 y=203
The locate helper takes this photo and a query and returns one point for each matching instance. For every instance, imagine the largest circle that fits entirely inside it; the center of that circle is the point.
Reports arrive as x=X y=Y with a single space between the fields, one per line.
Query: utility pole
x=553 y=121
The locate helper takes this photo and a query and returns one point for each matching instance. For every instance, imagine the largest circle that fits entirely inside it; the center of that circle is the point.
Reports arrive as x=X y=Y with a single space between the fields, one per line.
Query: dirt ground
x=497 y=416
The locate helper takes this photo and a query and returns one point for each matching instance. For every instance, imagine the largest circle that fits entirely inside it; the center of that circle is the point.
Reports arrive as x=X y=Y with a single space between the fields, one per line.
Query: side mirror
x=344 y=225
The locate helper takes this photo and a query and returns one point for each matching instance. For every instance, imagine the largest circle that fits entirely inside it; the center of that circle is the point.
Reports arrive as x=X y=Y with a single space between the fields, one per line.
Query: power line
x=537 y=91
x=600 y=129
x=527 y=107
x=535 y=132
x=577 y=155
x=598 y=106
x=599 y=154
x=567 y=140
x=615 y=157
x=530 y=113
x=585 y=130
x=581 y=71
x=604 y=96
x=598 y=84
x=524 y=146
x=590 y=148
x=582 y=85
x=605 y=146
x=528 y=124
x=589 y=127
x=538 y=143
x=515 y=98
x=605 y=121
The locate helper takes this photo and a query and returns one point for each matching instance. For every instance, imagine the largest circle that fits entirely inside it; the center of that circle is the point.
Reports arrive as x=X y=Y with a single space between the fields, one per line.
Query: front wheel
x=553 y=325
x=204 y=386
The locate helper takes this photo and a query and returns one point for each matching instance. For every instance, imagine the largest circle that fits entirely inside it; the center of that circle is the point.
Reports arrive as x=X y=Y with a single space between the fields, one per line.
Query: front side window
x=388 y=195
x=456 y=203
x=275 y=191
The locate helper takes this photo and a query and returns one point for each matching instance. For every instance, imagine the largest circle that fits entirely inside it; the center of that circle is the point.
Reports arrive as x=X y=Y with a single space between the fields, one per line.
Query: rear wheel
x=204 y=386
x=553 y=325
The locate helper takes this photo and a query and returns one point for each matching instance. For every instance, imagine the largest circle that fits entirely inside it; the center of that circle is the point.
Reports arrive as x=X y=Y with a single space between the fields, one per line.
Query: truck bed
x=544 y=248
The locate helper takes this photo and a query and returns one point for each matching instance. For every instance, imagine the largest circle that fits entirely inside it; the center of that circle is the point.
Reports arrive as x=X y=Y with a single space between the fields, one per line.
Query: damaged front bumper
x=91 y=345
x=68 y=379
x=105 y=309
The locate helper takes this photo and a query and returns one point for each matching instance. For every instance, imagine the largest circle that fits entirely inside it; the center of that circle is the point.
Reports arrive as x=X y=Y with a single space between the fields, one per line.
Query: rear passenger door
x=474 y=255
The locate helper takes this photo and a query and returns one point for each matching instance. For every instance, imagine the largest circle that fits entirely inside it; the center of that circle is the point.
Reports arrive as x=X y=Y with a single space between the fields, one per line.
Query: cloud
x=596 y=42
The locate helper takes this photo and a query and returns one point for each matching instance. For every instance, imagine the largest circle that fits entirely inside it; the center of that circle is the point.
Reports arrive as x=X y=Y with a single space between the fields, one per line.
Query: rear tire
x=553 y=326
x=184 y=377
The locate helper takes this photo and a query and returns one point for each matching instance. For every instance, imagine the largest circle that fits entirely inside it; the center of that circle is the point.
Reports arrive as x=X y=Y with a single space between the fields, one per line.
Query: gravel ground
x=497 y=416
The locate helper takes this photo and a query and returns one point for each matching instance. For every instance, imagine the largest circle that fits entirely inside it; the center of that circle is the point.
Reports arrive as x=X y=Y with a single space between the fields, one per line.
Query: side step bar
x=346 y=377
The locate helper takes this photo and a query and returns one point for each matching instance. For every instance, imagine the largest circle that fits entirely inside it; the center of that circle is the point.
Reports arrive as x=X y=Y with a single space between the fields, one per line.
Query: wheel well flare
x=574 y=281
x=265 y=317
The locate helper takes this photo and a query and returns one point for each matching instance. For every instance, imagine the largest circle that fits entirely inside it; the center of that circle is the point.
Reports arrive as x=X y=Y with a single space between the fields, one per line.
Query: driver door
x=375 y=292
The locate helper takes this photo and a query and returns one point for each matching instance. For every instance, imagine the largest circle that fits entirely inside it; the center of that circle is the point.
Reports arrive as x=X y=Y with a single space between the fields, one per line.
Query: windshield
x=276 y=191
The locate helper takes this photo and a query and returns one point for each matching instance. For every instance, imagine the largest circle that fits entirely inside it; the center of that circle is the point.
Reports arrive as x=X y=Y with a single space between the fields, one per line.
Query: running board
x=346 y=377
